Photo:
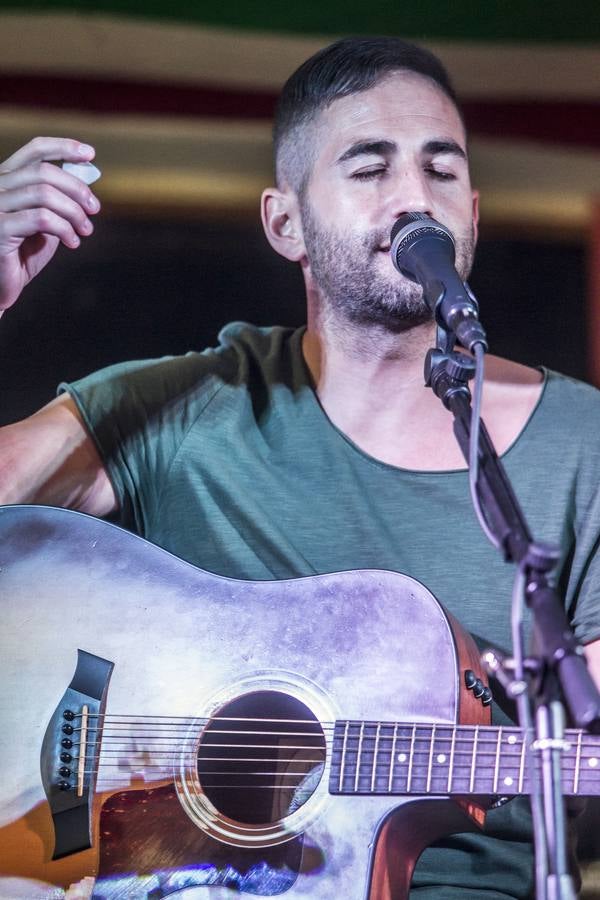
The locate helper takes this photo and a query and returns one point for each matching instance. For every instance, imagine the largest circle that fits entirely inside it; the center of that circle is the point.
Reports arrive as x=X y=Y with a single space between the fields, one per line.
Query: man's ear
x=281 y=220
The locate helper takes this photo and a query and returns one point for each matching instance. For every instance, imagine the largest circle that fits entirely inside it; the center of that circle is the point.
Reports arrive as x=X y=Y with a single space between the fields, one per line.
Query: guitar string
x=462 y=734
x=439 y=783
x=127 y=718
x=485 y=731
x=119 y=747
x=366 y=759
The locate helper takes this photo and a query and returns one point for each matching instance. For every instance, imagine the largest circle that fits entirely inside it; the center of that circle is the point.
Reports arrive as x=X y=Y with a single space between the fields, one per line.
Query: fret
x=430 y=760
x=474 y=758
x=384 y=756
x=522 y=763
x=358 y=756
x=343 y=761
x=410 y=758
x=577 y=764
x=393 y=759
x=497 y=762
x=451 y=764
x=375 y=756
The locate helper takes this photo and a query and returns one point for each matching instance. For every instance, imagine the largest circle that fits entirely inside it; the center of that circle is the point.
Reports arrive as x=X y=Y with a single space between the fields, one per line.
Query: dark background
x=142 y=287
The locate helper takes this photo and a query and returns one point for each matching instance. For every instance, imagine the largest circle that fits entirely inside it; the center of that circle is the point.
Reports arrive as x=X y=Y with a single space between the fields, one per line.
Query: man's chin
x=391 y=318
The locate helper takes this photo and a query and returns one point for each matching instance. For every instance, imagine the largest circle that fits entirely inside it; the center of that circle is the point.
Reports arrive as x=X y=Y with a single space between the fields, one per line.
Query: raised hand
x=40 y=207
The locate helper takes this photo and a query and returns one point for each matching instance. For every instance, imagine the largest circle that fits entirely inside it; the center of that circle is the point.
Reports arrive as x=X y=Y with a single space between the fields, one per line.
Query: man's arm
x=51 y=458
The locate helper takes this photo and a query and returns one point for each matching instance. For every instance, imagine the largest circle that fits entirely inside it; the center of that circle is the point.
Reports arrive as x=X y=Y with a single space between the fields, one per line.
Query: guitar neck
x=439 y=759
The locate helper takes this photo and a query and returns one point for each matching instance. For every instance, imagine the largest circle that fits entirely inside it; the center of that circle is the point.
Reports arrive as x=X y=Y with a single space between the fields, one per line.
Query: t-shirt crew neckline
x=380 y=464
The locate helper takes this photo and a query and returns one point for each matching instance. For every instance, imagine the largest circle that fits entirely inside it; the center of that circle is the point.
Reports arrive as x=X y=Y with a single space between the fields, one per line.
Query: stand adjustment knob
x=478 y=688
x=470 y=679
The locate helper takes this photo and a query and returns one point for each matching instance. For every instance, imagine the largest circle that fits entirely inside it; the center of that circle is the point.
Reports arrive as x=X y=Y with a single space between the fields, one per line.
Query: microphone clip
x=448 y=373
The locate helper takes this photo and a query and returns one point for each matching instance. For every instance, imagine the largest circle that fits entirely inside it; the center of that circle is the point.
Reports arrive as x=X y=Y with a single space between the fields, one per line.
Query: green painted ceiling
x=478 y=20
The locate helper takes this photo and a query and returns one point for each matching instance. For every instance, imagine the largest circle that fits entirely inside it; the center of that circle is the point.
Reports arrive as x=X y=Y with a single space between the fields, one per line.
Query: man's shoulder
x=574 y=404
x=269 y=347
x=241 y=347
x=512 y=380
x=521 y=401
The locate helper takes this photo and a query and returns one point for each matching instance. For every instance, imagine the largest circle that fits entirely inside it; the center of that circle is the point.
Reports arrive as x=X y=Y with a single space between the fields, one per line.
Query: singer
x=281 y=454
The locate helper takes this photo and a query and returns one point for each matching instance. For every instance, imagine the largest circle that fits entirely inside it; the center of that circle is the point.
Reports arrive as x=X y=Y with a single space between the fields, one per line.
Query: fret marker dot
x=441 y=758
x=402 y=757
x=593 y=762
x=508 y=781
x=512 y=739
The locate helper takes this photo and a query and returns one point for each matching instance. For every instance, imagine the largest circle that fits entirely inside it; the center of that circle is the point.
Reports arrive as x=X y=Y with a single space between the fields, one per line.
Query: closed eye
x=369 y=174
x=439 y=175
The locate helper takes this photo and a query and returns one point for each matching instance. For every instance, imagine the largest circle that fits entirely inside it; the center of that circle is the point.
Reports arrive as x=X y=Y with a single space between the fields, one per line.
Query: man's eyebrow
x=369 y=148
x=436 y=147
x=439 y=147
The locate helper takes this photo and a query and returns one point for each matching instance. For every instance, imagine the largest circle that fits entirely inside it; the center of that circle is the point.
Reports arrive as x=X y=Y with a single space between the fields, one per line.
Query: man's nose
x=410 y=193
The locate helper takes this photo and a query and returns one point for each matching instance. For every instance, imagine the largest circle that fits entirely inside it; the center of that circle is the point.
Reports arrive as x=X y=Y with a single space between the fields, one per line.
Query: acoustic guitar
x=175 y=733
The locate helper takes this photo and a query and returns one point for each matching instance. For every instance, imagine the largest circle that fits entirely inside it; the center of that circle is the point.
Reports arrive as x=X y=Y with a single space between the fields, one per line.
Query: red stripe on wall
x=92 y=95
x=561 y=122
x=551 y=121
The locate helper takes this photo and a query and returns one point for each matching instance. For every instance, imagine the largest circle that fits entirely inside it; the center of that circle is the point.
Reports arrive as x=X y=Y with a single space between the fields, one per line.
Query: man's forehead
x=400 y=101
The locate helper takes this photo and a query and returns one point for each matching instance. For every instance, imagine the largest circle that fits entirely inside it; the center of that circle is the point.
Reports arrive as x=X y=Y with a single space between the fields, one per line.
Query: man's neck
x=370 y=384
x=354 y=367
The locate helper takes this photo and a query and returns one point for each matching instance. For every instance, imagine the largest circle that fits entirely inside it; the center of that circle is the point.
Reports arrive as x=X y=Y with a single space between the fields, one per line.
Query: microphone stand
x=559 y=666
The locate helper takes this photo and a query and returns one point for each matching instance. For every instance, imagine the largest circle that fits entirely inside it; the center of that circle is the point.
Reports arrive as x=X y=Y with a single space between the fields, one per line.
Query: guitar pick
x=85 y=171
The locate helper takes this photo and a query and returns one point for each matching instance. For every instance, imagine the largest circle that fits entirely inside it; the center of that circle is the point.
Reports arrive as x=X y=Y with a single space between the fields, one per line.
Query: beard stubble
x=353 y=285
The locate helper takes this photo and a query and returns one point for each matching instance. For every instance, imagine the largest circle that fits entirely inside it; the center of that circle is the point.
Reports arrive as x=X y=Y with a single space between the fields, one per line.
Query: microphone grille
x=406 y=219
x=411 y=226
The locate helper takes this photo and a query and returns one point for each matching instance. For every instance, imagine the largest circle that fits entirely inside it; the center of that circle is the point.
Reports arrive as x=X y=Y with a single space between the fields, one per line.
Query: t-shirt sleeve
x=138 y=414
x=580 y=430
x=583 y=591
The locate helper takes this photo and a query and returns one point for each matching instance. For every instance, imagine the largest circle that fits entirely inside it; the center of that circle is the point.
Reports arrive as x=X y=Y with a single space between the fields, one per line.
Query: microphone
x=423 y=251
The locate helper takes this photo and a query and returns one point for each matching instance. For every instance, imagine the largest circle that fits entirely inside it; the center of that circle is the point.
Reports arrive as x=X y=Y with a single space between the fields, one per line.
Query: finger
x=46 y=174
x=44 y=196
x=29 y=222
x=48 y=148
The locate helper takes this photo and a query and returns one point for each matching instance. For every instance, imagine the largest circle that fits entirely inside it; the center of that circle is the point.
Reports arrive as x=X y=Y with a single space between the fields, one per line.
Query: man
x=285 y=454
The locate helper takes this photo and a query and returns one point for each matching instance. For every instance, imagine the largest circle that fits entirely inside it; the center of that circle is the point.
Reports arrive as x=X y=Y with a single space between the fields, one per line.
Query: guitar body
x=190 y=648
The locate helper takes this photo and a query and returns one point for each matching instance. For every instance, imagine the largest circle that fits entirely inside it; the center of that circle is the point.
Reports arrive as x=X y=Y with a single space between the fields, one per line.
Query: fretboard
x=399 y=759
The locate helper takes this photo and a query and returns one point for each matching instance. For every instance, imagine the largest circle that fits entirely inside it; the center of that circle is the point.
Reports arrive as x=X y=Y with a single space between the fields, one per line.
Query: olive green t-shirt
x=226 y=459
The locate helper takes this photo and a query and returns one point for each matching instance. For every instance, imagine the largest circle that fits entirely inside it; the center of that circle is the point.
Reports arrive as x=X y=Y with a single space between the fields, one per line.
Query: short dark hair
x=348 y=66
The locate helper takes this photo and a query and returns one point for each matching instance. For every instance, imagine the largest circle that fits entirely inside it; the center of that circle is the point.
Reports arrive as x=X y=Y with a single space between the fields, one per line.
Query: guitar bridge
x=70 y=753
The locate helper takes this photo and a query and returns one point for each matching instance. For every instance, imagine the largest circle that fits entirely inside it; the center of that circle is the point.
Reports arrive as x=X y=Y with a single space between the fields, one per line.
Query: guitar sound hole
x=261 y=757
